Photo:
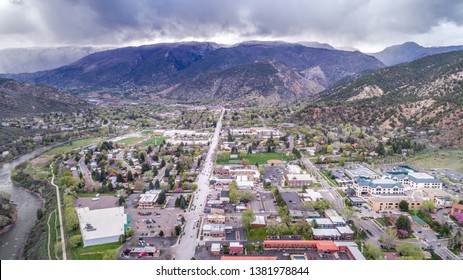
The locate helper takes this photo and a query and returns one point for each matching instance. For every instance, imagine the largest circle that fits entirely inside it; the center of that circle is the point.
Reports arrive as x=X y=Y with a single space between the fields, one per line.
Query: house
x=101 y=226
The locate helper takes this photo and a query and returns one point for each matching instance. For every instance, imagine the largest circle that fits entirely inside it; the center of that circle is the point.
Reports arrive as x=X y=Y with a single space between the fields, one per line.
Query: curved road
x=63 y=242
x=186 y=247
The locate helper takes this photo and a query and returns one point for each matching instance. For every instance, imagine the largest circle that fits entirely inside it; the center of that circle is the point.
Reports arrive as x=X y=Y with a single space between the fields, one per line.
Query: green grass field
x=75 y=144
x=439 y=159
x=129 y=140
x=260 y=158
x=256 y=233
x=153 y=141
x=95 y=252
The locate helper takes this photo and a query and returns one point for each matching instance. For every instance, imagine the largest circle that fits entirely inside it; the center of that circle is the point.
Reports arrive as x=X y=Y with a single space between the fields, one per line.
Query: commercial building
x=216 y=219
x=215 y=249
x=326 y=234
x=346 y=233
x=101 y=226
x=298 y=180
x=322 y=223
x=242 y=183
x=214 y=230
x=367 y=187
x=311 y=195
x=259 y=222
x=420 y=180
x=356 y=201
x=235 y=248
x=148 y=199
x=438 y=196
x=392 y=202
x=361 y=171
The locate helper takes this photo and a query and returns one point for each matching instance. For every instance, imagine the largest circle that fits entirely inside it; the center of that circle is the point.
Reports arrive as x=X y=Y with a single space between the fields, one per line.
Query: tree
x=403 y=206
x=129 y=176
x=161 y=233
x=178 y=230
x=347 y=213
x=75 y=240
x=373 y=252
x=161 y=198
x=151 y=185
x=71 y=221
x=248 y=195
x=129 y=232
x=409 y=251
x=157 y=184
x=403 y=223
x=427 y=206
x=247 y=218
x=110 y=254
x=39 y=213
x=119 y=178
x=389 y=237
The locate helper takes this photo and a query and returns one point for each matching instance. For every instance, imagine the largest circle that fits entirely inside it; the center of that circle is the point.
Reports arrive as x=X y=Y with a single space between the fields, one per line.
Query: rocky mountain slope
x=424 y=94
x=23 y=99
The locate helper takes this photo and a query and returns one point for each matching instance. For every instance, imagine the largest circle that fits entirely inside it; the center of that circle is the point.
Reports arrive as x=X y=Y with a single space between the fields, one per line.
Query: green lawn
x=153 y=141
x=256 y=233
x=260 y=158
x=75 y=144
x=95 y=252
x=129 y=140
x=439 y=159
x=147 y=132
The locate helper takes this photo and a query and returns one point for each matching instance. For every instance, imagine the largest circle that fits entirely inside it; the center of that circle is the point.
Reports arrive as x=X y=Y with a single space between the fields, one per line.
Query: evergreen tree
x=129 y=176
x=161 y=198
x=157 y=185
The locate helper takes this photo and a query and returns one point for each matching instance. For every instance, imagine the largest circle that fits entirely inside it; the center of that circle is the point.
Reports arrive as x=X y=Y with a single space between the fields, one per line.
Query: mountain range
x=410 y=51
x=424 y=94
x=180 y=71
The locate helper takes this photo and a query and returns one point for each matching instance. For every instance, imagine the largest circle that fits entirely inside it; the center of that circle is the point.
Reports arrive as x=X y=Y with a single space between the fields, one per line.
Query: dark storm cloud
x=114 y=22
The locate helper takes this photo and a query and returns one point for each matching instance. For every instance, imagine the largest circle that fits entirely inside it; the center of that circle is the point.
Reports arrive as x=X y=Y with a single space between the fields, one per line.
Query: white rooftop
x=337 y=220
x=323 y=221
x=421 y=175
x=235 y=244
x=326 y=231
x=299 y=177
x=345 y=230
x=215 y=247
x=101 y=223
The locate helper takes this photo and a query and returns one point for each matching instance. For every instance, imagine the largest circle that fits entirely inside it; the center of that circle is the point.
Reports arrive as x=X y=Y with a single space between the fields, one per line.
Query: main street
x=189 y=240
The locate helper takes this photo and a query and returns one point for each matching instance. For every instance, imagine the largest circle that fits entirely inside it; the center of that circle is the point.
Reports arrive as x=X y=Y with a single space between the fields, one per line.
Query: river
x=27 y=203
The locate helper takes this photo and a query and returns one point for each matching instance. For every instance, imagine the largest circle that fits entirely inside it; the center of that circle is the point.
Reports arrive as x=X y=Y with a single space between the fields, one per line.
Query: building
x=217 y=210
x=420 y=180
x=367 y=187
x=438 y=196
x=356 y=201
x=326 y=234
x=298 y=180
x=392 y=202
x=214 y=230
x=456 y=209
x=242 y=183
x=216 y=219
x=235 y=248
x=337 y=221
x=322 y=223
x=215 y=249
x=249 y=173
x=311 y=195
x=346 y=233
x=361 y=171
x=101 y=226
x=148 y=199
x=224 y=196
x=259 y=222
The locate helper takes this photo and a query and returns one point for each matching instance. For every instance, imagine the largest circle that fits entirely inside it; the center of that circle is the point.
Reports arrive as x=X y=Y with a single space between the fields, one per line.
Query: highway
x=185 y=249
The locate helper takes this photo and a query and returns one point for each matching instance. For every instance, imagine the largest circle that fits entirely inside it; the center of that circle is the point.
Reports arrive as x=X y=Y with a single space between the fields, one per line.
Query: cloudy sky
x=369 y=25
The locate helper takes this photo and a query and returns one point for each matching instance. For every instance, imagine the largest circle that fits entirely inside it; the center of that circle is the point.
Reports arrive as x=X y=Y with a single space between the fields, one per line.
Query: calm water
x=27 y=204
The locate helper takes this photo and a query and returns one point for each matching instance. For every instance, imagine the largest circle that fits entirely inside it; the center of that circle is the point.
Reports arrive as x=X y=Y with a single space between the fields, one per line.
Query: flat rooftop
x=101 y=223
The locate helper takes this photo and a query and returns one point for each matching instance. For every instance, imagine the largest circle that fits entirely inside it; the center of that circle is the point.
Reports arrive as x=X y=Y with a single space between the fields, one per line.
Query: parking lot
x=100 y=202
x=150 y=222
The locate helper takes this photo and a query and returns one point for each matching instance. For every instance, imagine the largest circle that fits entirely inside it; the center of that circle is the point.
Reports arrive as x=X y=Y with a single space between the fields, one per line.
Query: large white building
x=367 y=187
x=101 y=226
x=419 y=180
x=298 y=180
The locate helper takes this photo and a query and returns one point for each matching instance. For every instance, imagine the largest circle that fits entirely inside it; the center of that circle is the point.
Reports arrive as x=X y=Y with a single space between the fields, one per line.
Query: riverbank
x=14 y=218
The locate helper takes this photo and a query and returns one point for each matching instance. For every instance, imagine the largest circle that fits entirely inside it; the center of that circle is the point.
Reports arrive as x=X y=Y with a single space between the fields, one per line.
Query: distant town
x=196 y=182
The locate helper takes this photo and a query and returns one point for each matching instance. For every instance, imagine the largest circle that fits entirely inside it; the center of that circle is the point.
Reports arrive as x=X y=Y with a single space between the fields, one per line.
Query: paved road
x=186 y=247
x=61 y=228
x=120 y=156
x=331 y=193
x=86 y=173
